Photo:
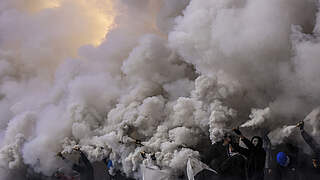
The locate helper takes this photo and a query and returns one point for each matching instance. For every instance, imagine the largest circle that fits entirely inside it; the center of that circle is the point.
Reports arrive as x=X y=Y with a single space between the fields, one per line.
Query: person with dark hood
x=288 y=160
x=255 y=154
x=315 y=170
x=234 y=167
x=84 y=168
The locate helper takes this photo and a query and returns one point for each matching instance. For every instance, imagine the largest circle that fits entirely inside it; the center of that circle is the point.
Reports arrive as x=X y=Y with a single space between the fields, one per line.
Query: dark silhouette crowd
x=257 y=159
x=235 y=157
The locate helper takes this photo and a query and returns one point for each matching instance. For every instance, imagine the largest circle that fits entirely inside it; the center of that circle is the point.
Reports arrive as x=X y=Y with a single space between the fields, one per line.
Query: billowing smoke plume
x=101 y=73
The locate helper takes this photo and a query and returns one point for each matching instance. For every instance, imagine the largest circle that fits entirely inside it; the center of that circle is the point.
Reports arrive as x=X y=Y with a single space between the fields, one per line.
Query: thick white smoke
x=99 y=74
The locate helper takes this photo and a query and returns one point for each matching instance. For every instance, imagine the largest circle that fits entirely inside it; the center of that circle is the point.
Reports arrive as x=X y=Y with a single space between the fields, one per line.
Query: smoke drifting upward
x=169 y=72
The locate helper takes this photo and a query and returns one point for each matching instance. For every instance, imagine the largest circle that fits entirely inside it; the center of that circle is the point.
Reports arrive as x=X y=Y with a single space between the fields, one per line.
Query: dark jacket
x=218 y=154
x=84 y=168
x=268 y=148
x=213 y=155
x=292 y=171
x=206 y=175
x=286 y=173
x=313 y=174
x=233 y=168
x=256 y=156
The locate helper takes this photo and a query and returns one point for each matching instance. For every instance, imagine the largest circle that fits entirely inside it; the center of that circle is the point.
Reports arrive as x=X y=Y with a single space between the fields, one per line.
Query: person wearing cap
x=315 y=170
x=282 y=159
x=286 y=167
x=255 y=154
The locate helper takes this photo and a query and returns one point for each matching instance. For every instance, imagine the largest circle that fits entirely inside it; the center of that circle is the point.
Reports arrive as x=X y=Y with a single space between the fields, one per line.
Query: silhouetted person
x=219 y=152
x=234 y=167
x=268 y=173
x=255 y=154
x=314 y=172
x=286 y=167
x=214 y=155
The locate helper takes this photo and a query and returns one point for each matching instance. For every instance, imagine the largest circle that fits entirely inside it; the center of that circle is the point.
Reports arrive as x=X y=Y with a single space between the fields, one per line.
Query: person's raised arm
x=241 y=150
x=267 y=142
x=267 y=148
x=244 y=139
x=308 y=139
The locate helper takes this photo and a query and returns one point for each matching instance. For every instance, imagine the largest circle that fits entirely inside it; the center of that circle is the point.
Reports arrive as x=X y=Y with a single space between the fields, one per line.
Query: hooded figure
x=255 y=154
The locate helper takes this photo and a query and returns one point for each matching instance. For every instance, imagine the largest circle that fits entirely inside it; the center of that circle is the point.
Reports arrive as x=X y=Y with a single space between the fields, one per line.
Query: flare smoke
x=169 y=72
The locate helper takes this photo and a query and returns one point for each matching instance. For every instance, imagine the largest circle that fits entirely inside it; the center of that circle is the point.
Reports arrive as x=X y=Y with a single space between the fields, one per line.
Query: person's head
x=282 y=159
x=315 y=161
x=256 y=141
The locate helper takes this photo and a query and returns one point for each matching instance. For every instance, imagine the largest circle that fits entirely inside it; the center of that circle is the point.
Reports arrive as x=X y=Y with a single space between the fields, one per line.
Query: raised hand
x=59 y=154
x=76 y=148
x=300 y=125
x=237 y=131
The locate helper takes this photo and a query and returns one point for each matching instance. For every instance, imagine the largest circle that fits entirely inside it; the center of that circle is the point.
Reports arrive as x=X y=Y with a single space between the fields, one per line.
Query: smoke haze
x=167 y=72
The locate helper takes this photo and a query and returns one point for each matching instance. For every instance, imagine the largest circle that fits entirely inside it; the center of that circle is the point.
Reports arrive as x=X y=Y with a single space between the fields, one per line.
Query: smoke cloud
x=169 y=73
